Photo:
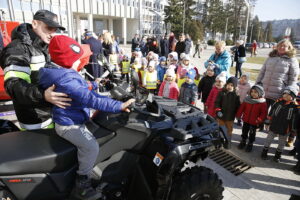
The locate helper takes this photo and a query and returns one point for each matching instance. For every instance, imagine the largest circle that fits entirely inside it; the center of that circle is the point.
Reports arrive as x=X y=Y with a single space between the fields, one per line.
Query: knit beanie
x=211 y=67
x=222 y=77
x=162 y=59
x=259 y=89
x=232 y=80
x=170 y=72
x=291 y=90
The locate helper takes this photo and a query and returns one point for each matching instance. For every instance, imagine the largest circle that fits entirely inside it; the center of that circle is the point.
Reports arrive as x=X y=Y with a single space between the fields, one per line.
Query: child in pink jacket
x=169 y=87
x=209 y=106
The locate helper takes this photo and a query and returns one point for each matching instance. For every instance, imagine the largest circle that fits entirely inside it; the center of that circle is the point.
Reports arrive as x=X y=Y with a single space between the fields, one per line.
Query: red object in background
x=85 y=58
x=3 y=94
x=7 y=26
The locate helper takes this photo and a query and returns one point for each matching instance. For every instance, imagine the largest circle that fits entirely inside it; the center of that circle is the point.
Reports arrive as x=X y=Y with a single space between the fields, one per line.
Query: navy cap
x=48 y=18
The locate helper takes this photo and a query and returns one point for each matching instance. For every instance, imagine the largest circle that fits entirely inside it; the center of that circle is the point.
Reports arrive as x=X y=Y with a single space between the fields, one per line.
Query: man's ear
x=34 y=24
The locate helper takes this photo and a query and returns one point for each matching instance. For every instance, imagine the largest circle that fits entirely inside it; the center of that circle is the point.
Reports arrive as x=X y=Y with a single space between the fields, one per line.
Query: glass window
x=35 y=6
x=16 y=4
x=26 y=6
x=3 y=4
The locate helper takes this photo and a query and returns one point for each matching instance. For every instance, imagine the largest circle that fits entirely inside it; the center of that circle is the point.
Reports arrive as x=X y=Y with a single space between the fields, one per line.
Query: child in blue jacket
x=70 y=122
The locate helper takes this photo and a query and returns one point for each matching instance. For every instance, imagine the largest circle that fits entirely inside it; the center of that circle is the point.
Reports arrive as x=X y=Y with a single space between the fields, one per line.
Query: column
x=110 y=25
x=91 y=24
x=124 y=30
x=70 y=28
x=78 y=31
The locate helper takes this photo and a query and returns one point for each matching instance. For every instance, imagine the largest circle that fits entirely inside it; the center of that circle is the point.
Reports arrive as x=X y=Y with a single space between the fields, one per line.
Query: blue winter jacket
x=70 y=82
x=160 y=73
x=223 y=61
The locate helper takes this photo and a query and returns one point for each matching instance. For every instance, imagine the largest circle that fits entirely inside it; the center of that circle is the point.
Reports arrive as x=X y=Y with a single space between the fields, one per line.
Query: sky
x=277 y=9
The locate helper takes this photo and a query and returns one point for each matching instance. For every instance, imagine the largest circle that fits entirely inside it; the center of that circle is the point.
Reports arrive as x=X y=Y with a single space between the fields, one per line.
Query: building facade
x=123 y=18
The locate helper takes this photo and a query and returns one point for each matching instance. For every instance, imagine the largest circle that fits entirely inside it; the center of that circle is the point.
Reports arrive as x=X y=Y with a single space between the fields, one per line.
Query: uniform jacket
x=277 y=73
x=205 y=86
x=70 y=82
x=210 y=102
x=223 y=61
x=252 y=113
x=282 y=116
x=173 y=88
x=228 y=103
x=21 y=60
x=188 y=93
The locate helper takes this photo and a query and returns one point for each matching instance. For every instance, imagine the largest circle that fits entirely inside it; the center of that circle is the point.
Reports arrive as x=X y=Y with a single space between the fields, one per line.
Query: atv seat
x=39 y=151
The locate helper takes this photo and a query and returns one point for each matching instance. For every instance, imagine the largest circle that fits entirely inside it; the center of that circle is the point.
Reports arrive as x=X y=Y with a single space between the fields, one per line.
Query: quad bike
x=149 y=153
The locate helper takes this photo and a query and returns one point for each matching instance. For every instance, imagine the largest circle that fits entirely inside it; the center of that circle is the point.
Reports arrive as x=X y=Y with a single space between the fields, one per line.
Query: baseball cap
x=64 y=51
x=88 y=34
x=48 y=18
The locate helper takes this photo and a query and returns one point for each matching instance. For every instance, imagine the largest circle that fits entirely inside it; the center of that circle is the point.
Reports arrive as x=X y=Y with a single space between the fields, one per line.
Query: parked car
x=266 y=45
x=248 y=47
x=297 y=45
x=260 y=45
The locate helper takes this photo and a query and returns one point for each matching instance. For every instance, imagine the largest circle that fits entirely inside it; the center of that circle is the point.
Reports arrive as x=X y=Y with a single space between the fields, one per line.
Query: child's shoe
x=242 y=144
x=277 y=156
x=264 y=153
x=249 y=147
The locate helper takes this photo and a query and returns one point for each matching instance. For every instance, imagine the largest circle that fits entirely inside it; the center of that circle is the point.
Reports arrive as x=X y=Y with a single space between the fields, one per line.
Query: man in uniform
x=21 y=61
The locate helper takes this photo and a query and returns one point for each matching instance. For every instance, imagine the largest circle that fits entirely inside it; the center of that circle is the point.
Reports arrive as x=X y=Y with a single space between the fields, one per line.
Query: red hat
x=64 y=51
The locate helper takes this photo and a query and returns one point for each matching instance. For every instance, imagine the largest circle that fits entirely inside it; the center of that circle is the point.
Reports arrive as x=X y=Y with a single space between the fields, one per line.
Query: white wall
x=132 y=28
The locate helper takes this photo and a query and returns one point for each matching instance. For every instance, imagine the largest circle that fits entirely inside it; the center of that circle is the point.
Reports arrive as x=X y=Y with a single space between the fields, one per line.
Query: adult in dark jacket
x=180 y=45
x=93 y=67
x=21 y=60
x=135 y=42
x=164 y=47
x=240 y=54
x=107 y=45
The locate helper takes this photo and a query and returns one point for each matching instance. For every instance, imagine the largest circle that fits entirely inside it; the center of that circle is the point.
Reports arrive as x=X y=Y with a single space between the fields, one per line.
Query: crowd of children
x=224 y=98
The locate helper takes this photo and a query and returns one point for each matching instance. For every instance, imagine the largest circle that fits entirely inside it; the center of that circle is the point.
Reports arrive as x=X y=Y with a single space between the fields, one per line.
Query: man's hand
x=56 y=98
x=126 y=104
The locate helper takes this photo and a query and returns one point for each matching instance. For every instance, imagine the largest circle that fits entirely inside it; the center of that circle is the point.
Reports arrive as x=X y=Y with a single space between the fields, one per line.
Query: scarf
x=250 y=100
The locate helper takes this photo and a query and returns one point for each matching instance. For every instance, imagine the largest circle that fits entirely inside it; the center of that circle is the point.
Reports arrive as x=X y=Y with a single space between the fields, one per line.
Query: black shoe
x=264 y=153
x=277 y=156
x=84 y=190
x=292 y=152
x=242 y=144
x=249 y=147
x=296 y=168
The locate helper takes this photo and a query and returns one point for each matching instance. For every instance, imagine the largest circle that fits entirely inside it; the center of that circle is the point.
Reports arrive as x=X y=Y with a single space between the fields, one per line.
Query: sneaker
x=84 y=190
x=292 y=152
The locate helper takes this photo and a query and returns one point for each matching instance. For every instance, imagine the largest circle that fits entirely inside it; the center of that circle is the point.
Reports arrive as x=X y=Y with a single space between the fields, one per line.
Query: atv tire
x=197 y=183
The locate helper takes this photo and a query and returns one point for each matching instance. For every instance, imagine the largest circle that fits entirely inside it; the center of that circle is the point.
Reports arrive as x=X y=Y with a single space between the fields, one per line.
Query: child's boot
x=242 y=144
x=84 y=190
x=292 y=152
x=249 y=147
x=264 y=153
x=277 y=156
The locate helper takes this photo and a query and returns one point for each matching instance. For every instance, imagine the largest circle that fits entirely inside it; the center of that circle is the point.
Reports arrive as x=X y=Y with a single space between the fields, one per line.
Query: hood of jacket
x=26 y=35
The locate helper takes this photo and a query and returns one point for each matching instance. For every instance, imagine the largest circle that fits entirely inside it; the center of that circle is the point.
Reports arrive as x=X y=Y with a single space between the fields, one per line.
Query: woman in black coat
x=240 y=57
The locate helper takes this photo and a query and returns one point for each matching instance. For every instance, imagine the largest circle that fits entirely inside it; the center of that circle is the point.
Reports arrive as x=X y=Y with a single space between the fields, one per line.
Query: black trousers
x=248 y=130
x=238 y=69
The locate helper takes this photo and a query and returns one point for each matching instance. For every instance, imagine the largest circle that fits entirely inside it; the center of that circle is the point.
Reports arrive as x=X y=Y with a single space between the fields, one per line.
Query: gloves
x=219 y=114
